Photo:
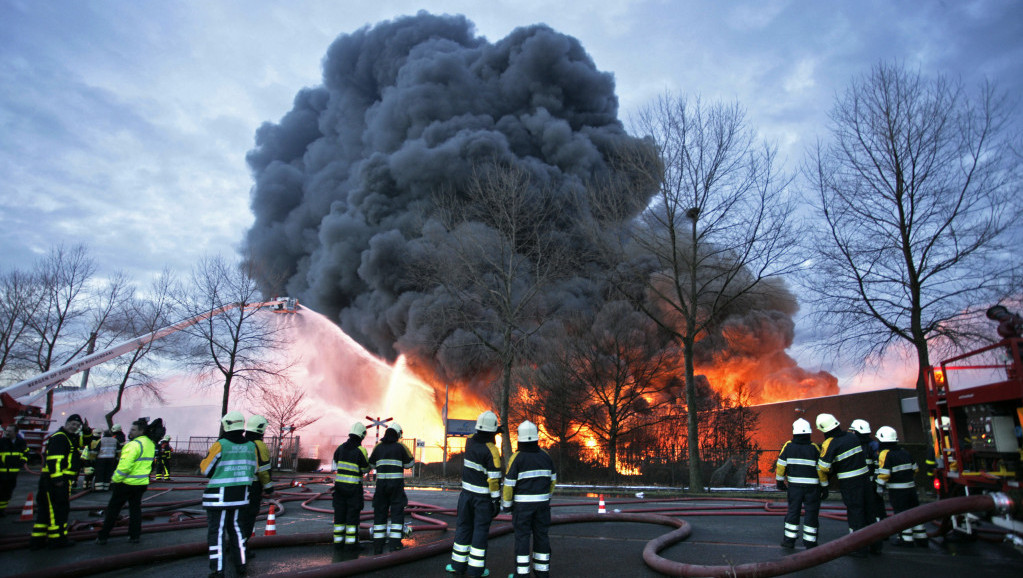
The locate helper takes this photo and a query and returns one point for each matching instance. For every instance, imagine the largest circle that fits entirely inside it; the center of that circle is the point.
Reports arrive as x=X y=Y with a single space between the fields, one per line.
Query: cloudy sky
x=124 y=125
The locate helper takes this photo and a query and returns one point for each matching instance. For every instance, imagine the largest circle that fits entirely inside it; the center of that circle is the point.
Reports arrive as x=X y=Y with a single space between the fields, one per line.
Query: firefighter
x=875 y=506
x=118 y=435
x=87 y=438
x=842 y=456
x=255 y=426
x=390 y=458
x=106 y=459
x=231 y=466
x=131 y=479
x=62 y=462
x=527 y=494
x=480 y=499
x=350 y=464
x=164 y=451
x=13 y=456
x=896 y=472
x=796 y=473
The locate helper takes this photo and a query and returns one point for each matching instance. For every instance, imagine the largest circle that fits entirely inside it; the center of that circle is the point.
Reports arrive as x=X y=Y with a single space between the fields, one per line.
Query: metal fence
x=283 y=455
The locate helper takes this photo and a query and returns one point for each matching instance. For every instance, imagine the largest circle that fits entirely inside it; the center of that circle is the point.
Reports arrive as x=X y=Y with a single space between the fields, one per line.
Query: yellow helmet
x=256 y=424
x=233 y=421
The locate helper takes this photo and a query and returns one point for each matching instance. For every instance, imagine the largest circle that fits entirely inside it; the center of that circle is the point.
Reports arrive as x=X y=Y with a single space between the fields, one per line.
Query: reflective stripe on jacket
x=107 y=447
x=390 y=460
x=350 y=463
x=231 y=468
x=62 y=456
x=136 y=462
x=13 y=454
x=531 y=478
x=843 y=455
x=896 y=470
x=481 y=468
x=797 y=464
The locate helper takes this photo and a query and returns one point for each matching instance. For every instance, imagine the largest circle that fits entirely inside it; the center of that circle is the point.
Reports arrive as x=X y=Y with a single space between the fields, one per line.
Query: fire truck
x=34 y=424
x=975 y=401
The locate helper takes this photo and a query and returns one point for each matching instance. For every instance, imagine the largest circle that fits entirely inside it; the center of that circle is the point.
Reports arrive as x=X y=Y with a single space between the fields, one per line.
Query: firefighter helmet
x=826 y=422
x=945 y=422
x=233 y=421
x=887 y=434
x=256 y=424
x=800 y=426
x=166 y=439
x=396 y=428
x=486 y=422
x=358 y=429
x=860 y=426
x=116 y=428
x=528 y=432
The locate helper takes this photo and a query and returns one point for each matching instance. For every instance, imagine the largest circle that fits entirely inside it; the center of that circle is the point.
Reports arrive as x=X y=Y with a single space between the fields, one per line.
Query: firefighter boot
x=378 y=545
x=788 y=543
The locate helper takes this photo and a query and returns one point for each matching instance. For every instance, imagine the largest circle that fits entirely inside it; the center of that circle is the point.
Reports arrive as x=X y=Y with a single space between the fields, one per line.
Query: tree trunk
x=693 y=421
x=505 y=428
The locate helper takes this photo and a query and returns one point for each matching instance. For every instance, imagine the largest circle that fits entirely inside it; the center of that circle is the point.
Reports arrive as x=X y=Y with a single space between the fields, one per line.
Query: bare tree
x=915 y=194
x=20 y=297
x=717 y=231
x=498 y=257
x=621 y=364
x=284 y=406
x=141 y=315
x=240 y=346
x=63 y=277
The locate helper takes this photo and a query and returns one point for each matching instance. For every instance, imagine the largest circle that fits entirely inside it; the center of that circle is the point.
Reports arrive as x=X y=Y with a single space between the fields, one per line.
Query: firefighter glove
x=781 y=485
x=824 y=493
x=880 y=490
x=507 y=509
x=495 y=507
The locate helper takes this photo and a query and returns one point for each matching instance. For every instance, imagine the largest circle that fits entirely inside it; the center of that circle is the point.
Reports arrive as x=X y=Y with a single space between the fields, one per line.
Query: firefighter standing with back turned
x=255 y=426
x=527 y=494
x=796 y=472
x=390 y=459
x=843 y=456
x=875 y=505
x=13 y=455
x=350 y=464
x=480 y=499
x=896 y=472
x=231 y=466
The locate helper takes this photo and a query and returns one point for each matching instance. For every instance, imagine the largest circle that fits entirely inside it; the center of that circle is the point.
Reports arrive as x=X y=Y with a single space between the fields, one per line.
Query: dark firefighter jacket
x=843 y=455
x=481 y=470
x=797 y=462
x=531 y=476
x=896 y=469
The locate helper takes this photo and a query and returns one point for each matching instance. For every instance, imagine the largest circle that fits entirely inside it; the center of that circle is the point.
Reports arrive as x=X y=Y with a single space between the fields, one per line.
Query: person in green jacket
x=131 y=478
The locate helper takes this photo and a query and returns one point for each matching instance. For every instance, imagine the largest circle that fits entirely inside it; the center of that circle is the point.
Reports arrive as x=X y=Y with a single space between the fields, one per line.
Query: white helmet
x=116 y=428
x=486 y=422
x=166 y=439
x=397 y=428
x=887 y=434
x=233 y=421
x=945 y=422
x=358 y=429
x=800 y=426
x=256 y=424
x=826 y=422
x=528 y=432
x=860 y=426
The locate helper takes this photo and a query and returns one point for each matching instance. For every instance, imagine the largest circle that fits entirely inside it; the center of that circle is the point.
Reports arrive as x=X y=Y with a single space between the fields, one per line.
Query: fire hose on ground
x=682 y=530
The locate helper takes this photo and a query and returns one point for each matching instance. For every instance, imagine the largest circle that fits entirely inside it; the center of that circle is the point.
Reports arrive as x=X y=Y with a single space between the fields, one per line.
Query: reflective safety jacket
x=231 y=467
x=481 y=468
x=390 y=460
x=896 y=469
x=106 y=447
x=262 y=461
x=531 y=477
x=136 y=462
x=63 y=456
x=13 y=454
x=797 y=463
x=164 y=451
x=350 y=463
x=843 y=455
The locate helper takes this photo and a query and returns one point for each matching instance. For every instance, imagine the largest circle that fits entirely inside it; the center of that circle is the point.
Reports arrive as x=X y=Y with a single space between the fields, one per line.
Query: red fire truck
x=975 y=402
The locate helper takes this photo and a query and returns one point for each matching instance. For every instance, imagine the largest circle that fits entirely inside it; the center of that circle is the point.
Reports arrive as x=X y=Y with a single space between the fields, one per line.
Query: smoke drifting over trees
x=345 y=182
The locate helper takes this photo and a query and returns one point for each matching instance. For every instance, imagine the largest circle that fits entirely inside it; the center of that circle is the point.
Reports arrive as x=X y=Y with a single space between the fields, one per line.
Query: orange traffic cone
x=601 y=508
x=271 y=523
x=27 y=514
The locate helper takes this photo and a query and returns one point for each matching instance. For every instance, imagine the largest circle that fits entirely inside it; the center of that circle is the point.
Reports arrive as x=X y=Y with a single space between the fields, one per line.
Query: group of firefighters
x=528 y=484
x=75 y=457
x=865 y=470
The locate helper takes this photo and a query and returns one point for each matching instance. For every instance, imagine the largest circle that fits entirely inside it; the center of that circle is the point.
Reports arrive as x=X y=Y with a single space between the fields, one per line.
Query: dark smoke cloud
x=408 y=107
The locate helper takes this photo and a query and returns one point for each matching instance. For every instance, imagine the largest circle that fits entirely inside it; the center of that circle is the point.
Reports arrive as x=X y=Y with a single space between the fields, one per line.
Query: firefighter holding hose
x=797 y=474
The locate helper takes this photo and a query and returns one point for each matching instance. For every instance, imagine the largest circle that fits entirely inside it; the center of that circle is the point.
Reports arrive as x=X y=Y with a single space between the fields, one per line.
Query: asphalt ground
x=727 y=529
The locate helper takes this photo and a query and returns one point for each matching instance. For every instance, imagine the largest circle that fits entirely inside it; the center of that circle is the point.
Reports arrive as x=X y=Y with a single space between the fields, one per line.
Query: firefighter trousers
x=53 y=505
x=8 y=481
x=223 y=535
x=119 y=494
x=808 y=498
x=247 y=515
x=389 y=501
x=532 y=520
x=902 y=500
x=348 y=501
x=858 y=497
x=469 y=553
